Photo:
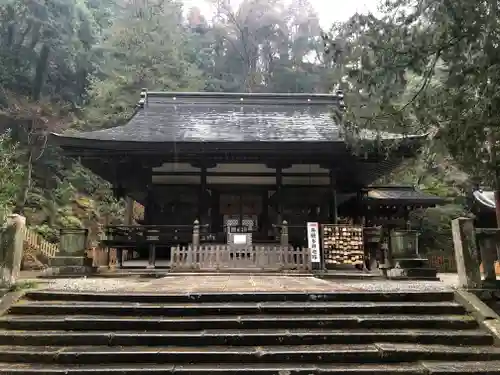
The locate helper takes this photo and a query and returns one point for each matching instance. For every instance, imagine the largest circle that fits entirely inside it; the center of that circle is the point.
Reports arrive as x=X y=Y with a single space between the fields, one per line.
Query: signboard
x=313 y=241
x=240 y=239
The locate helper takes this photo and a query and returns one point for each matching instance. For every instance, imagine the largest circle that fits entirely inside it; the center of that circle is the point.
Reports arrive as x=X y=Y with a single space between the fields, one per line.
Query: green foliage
x=435 y=227
x=23 y=285
x=431 y=66
x=11 y=172
x=46 y=48
x=83 y=63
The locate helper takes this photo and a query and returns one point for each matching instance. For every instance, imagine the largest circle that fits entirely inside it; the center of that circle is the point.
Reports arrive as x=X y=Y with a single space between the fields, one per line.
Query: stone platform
x=215 y=283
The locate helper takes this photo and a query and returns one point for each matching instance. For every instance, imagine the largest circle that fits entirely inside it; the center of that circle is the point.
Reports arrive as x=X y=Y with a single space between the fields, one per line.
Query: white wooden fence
x=227 y=257
x=34 y=242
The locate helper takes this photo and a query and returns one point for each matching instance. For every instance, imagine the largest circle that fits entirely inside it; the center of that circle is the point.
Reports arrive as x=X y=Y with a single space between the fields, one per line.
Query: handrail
x=36 y=242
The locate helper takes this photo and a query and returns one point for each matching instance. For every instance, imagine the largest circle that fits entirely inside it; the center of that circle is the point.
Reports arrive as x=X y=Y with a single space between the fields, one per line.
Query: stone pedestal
x=74 y=265
x=413 y=269
x=72 y=258
x=11 y=249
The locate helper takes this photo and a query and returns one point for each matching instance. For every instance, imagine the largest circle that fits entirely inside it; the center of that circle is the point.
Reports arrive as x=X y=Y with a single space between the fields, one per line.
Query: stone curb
x=485 y=316
x=9 y=299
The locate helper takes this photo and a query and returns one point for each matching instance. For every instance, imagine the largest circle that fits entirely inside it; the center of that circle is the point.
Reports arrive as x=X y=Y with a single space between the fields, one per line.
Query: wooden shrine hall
x=238 y=163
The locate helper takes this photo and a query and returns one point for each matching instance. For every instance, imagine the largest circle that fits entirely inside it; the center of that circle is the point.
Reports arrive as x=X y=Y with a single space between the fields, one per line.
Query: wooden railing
x=226 y=257
x=35 y=243
x=136 y=235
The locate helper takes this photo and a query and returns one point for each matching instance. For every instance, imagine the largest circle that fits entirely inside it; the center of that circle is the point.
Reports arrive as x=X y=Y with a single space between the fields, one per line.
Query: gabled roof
x=169 y=117
x=402 y=195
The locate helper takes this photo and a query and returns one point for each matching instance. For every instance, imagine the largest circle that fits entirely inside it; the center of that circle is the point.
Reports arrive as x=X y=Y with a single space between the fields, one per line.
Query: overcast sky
x=329 y=11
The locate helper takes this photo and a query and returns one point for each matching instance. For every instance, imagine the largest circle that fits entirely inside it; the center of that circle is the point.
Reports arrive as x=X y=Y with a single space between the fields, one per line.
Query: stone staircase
x=346 y=333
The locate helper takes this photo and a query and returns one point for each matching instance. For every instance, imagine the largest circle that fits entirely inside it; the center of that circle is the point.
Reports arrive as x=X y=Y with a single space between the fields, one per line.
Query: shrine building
x=251 y=160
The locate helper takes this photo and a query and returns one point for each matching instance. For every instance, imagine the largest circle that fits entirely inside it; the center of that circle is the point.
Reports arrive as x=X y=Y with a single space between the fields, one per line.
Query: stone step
x=255 y=337
x=376 y=353
x=232 y=308
x=468 y=367
x=107 y=323
x=220 y=369
x=339 y=296
x=424 y=368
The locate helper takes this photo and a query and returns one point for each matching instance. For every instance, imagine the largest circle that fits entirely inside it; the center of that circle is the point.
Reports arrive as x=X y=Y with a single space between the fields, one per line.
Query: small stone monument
x=72 y=258
x=11 y=249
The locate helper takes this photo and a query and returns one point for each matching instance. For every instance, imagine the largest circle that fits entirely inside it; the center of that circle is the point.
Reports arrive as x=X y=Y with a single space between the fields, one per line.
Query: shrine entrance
x=241 y=209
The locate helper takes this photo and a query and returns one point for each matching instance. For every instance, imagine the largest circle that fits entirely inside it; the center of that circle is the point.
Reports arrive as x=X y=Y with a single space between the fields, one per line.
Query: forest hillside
x=72 y=65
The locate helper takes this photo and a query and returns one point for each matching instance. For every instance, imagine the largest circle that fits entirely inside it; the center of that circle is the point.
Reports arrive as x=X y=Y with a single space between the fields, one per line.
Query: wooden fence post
x=284 y=233
x=196 y=233
x=466 y=252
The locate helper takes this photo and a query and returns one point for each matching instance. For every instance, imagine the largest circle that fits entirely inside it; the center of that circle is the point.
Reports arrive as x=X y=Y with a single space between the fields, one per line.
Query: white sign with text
x=313 y=241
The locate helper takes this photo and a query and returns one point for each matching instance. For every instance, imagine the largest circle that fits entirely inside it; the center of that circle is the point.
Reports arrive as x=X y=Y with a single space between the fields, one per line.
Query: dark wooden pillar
x=279 y=194
x=149 y=215
x=129 y=215
x=333 y=217
x=202 y=199
x=216 y=216
x=360 y=209
x=406 y=215
x=264 y=220
x=149 y=207
x=149 y=202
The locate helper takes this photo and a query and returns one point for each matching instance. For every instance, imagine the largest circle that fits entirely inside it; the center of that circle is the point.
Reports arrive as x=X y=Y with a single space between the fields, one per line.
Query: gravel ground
x=97 y=284
x=178 y=284
x=399 y=286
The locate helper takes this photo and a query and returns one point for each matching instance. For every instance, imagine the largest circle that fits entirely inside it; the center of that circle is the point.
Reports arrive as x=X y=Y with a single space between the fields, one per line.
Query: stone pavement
x=241 y=283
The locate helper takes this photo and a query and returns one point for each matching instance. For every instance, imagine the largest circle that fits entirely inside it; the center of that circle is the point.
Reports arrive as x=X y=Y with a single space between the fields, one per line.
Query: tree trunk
x=41 y=70
x=23 y=194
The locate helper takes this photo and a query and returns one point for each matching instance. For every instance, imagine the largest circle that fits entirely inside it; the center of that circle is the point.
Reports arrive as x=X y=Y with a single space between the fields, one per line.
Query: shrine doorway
x=241 y=209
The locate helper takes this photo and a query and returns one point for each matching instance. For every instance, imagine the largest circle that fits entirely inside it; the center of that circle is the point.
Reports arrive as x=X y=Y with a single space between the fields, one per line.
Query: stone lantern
x=405 y=259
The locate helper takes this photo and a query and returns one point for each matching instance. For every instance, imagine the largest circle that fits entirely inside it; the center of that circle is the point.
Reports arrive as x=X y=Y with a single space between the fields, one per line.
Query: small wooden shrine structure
x=242 y=164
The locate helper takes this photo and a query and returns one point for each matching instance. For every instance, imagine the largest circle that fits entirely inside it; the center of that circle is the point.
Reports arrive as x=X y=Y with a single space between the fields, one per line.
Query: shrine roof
x=485 y=198
x=171 y=117
x=402 y=194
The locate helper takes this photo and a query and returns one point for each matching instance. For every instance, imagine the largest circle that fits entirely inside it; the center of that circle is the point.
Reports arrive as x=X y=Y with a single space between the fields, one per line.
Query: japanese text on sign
x=313 y=241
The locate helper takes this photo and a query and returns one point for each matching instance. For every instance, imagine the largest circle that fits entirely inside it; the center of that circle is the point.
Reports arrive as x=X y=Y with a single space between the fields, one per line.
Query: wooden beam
x=244 y=174
x=333 y=198
x=202 y=206
x=279 y=187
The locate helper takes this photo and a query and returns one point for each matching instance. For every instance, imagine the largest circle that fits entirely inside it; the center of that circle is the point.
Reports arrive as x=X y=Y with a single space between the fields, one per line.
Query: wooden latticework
x=226 y=257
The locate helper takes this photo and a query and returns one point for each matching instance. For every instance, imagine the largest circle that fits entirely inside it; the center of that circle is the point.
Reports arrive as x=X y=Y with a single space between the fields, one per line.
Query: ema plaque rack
x=343 y=244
